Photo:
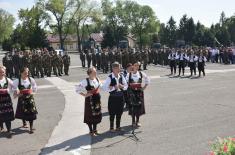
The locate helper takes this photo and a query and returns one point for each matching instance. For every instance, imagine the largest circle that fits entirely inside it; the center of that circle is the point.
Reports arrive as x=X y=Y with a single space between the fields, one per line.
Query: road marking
x=72 y=67
x=46 y=86
x=70 y=135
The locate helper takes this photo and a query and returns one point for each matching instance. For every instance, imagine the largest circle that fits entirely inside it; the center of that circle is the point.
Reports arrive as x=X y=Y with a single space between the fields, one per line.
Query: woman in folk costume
x=201 y=64
x=90 y=89
x=24 y=88
x=115 y=84
x=136 y=89
x=6 y=108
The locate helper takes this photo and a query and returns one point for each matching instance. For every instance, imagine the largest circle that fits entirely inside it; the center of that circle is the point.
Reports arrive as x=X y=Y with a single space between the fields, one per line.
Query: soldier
x=132 y=56
x=165 y=55
x=61 y=64
x=66 y=61
x=39 y=65
x=155 y=56
x=118 y=57
x=88 y=58
x=104 y=61
x=145 y=58
x=16 y=63
x=34 y=63
x=47 y=63
x=111 y=58
x=161 y=56
x=83 y=58
x=26 y=60
x=6 y=60
x=137 y=57
x=151 y=56
x=98 y=59
x=93 y=57
x=55 y=62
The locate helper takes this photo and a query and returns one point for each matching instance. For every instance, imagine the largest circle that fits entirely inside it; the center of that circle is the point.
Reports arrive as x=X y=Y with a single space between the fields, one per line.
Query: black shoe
x=9 y=134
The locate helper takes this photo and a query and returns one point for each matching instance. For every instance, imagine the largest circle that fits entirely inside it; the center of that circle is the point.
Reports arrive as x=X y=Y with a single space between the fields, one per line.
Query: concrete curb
x=70 y=136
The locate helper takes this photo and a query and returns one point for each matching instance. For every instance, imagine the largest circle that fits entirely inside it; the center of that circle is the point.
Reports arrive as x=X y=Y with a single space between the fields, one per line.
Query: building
x=71 y=42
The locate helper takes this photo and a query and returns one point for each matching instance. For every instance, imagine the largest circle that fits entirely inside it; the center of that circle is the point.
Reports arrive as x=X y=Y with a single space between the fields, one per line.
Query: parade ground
x=183 y=116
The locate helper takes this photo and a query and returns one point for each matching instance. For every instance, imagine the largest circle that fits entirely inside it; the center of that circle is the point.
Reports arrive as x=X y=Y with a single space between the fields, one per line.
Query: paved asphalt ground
x=183 y=115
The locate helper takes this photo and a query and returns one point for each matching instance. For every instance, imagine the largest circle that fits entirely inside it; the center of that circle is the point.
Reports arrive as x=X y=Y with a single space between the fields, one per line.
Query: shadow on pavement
x=126 y=133
x=69 y=145
x=16 y=131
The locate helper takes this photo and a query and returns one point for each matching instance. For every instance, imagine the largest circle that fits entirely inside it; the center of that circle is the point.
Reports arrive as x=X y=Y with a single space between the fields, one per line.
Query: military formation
x=174 y=57
x=40 y=62
x=103 y=59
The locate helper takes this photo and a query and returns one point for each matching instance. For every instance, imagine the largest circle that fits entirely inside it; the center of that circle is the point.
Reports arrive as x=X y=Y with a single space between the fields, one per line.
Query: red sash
x=135 y=86
x=26 y=91
x=3 y=91
x=94 y=91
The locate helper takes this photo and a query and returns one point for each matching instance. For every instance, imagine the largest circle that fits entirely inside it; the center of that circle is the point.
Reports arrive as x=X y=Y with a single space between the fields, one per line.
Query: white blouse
x=108 y=82
x=25 y=83
x=192 y=58
x=137 y=76
x=10 y=84
x=81 y=87
x=202 y=58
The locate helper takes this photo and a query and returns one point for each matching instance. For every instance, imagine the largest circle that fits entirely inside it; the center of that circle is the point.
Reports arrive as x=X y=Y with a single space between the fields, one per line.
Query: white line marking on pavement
x=45 y=86
x=72 y=67
x=70 y=136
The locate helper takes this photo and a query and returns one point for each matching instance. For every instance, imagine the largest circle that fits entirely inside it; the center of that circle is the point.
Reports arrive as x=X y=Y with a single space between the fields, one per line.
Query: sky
x=205 y=11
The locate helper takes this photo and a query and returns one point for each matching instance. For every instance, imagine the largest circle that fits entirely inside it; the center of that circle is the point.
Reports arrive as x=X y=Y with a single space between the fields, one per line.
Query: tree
x=143 y=22
x=170 y=32
x=162 y=34
x=34 y=36
x=6 y=25
x=230 y=22
x=222 y=19
x=115 y=18
x=182 y=27
x=86 y=10
x=63 y=11
x=109 y=40
x=223 y=36
x=199 y=34
x=190 y=31
x=209 y=38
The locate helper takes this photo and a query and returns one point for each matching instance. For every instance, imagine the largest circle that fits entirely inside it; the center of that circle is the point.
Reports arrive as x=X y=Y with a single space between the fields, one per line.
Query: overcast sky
x=206 y=11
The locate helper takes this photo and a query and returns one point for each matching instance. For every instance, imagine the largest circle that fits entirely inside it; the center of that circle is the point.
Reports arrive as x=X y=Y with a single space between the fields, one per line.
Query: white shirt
x=25 y=83
x=173 y=56
x=81 y=87
x=135 y=77
x=202 y=58
x=233 y=51
x=108 y=82
x=192 y=58
x=10 y=84
x=182 y=56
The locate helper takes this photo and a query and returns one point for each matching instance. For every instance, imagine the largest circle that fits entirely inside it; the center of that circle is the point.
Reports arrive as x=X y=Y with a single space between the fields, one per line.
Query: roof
x=55 y=38
x=98 y=37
